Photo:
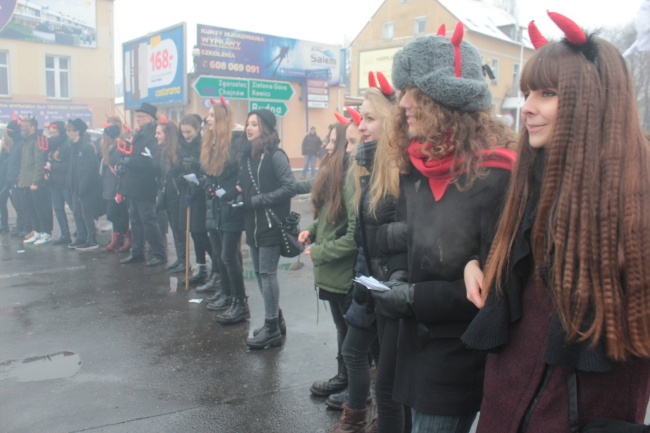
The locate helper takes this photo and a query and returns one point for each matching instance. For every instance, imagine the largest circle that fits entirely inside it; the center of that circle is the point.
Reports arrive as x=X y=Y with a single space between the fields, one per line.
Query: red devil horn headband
x=213 y=101
x=572 y=31
x=372 y=82
x=223 y=101
x=341 y=118
x=356 y=117
x=163 y=119
x=442 y=30
x=456 y=39
x=535 y=35
x=385 y=87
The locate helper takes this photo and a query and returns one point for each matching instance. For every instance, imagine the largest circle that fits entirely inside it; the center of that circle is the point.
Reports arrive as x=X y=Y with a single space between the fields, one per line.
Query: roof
x=483 y=18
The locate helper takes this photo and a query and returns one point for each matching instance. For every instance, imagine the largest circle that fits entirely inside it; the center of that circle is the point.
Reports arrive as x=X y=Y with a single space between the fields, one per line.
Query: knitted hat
x=147 y=108
x=79 y=125
x=267 y=117
x=429 y=63
x=112 y=131
x=13 y=129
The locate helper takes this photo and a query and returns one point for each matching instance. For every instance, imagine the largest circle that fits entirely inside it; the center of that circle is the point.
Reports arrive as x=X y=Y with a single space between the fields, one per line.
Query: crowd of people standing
x=511 y=272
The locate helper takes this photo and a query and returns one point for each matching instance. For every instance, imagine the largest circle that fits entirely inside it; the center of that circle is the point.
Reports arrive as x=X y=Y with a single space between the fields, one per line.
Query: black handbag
x=289 y=228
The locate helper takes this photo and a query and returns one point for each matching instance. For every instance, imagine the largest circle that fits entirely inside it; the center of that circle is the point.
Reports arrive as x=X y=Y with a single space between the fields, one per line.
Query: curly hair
x=328 y=185
x=592 y=224
x=462 y=133
x=215 y=149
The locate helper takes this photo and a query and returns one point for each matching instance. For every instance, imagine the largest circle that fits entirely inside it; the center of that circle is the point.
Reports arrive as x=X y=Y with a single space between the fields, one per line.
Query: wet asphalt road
x=87 y=344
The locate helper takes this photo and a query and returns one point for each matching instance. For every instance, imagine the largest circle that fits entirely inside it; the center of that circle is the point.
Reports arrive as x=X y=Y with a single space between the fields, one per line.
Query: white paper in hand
x=191 y=178
x=372 y=283
x=220 y=192
x=146 y=152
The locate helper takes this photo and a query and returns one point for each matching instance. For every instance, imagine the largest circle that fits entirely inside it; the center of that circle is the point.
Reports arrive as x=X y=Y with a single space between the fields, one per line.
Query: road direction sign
x=265 y=89
x=207 y=86
x=277 y=108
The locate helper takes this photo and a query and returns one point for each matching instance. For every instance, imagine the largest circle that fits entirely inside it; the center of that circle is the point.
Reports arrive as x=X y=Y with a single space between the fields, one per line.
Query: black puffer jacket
x=198 y=207
x=140 y=178
x=277 y=185
x=220 y=213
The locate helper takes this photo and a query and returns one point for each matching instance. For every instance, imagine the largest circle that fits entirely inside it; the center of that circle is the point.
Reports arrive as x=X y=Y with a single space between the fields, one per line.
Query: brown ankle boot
x=352 y=421
x=127 y=241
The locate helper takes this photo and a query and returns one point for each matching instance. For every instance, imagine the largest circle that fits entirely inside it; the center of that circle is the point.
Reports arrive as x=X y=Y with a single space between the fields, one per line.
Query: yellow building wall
x=370 y=51
x=91 y=69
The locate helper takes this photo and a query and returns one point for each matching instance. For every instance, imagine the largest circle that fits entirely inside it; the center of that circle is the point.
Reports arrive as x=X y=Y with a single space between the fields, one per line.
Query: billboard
x=45 y=113
x=376 y=60
x=234 y=53
x=154 y=68
x=59 y=22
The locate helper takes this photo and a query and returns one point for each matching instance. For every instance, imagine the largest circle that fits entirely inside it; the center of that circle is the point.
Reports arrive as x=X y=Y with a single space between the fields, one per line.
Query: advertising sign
x=376 y=60
x=154 y=68
x=44 y=113
x=59 y=22
x=234 y=53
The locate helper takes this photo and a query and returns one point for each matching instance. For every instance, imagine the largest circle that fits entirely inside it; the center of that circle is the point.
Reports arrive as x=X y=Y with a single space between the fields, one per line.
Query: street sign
x=277 y=108
x=265 y=89
x=316 y=104
x=207 y=86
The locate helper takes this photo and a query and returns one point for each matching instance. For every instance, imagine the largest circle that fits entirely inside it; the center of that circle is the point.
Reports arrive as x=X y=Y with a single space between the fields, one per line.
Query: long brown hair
x=462 y=133
x=215 y=149
x=592 y=225
x=328 y=185
x=267 y=141
x=169 y=148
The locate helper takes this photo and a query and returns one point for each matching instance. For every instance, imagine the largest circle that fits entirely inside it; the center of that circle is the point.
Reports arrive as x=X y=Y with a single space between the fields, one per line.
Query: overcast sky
x=332 y=22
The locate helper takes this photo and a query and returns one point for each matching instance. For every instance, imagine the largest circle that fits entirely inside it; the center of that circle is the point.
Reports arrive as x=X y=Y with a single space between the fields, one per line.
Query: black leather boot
x=281 y=324
x=324 y=388
x=237 y=312
x=211 y=285
x=269 y=336
x=219 y=300
x=200 y=275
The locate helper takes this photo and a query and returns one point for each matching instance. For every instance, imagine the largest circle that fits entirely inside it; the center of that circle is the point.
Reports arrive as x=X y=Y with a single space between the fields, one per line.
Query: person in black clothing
x=194 y=196
x=83 y=182
x=139 y=183
x=4 y=186
x=267 y=184
x=168 y=198
x=14 y=142
x=220 y=162
x=311 y=144
x=57 y=166
x=456 y=170
x=117 y=211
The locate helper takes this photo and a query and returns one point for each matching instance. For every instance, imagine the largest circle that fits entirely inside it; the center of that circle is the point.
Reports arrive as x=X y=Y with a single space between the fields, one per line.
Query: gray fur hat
x=428 y=64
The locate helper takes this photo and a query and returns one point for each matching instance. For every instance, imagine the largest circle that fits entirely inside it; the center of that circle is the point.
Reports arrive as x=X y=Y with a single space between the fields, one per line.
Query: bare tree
x=639 y=64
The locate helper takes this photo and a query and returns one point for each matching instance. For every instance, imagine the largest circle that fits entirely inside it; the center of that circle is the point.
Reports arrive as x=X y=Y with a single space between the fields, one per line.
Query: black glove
x=396 y=302
x=192 y=194
x=600 y=425
x=238 y=202
x=191 y=165
x=359 y=293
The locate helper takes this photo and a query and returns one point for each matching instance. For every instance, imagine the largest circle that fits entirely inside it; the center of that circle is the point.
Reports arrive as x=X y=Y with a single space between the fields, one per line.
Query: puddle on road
x=59 y=365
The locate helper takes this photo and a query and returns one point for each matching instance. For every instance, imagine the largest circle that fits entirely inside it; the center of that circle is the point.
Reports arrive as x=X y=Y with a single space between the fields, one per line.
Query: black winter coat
x=220 y=214
x=436 y=373
x=111 y=181
x=13 y=163
x=198 y=207
x=83 y=175
x=59 y=159
x=140 y=179
x=277 y=184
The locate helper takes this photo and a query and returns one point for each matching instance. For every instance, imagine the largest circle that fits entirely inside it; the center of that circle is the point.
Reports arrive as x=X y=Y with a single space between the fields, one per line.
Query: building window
x=494 y=65
x=4 y=73
x=420 y=25
x=57 y=77
x=515 y=78
x=388 y=30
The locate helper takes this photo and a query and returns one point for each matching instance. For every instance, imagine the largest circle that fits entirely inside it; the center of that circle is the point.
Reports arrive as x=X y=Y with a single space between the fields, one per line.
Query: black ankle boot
x=324 y=388
x=200 y=275
x=269 y=336
x=210 y=285
x=281 y=324
x=237 y=312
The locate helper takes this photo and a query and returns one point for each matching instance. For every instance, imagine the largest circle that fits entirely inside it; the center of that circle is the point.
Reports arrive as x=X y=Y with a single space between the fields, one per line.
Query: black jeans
x=358 y=342
x=391 y=416
x=338 y=311
x=118 y=215
x=60 y=197
x=144 y=225
x=226 y=252
x=202 y=245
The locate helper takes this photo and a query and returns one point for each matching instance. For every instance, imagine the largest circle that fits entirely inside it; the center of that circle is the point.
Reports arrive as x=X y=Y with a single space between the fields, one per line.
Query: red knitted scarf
x=439 y=170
